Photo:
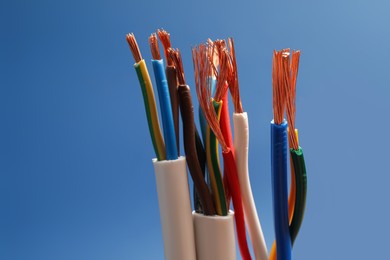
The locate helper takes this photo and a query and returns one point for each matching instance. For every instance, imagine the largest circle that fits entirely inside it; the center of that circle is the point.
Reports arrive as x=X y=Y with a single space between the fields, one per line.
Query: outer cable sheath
x=241 y=144
x=172 y=84
x=187 y=114
x=166 y=109
x=214 y=237
x=279 y=189
x=175 y=209
x=301 y=184
x=227 y=135
x=231 y=171
x=150 y=109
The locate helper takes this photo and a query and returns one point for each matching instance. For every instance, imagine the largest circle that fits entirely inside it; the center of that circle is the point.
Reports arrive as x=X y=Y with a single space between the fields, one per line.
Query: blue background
x=76 y=178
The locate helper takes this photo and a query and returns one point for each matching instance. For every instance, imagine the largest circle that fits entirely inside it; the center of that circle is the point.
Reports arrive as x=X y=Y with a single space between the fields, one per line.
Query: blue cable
x=279 y=148
x=166 y=109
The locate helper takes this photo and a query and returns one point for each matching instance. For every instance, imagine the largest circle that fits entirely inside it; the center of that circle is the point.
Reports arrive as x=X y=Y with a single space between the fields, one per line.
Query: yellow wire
x=153 y=110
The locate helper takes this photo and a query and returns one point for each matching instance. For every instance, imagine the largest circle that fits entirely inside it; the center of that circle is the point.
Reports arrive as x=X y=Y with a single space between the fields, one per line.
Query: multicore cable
x=148 y=95
x=202 y=71
x=171 y=175
x=280 y=77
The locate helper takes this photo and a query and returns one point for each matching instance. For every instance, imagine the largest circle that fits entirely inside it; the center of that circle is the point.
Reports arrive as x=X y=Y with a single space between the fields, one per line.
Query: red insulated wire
x=229 y=164
x=224 y=123
x=230 y=168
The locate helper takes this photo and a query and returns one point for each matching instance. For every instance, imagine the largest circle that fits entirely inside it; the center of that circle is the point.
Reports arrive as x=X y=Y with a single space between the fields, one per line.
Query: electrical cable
x=296 y=153
x=187 y=114
x=241 y=148
x=202 y=67
x=165 y=100
x=149 y=100
x=280 y=77
x=301 y=182
x=170 y=71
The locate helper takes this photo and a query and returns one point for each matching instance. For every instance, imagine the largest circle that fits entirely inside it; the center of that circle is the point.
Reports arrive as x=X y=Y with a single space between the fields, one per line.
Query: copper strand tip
x=154 y=47
x=176 y=58
x=134 y=47
x=291 y=99
x=165 y=39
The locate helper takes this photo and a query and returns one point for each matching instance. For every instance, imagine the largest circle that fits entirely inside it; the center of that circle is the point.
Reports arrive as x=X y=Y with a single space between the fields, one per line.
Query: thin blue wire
x=279 y=189
x=166 y=109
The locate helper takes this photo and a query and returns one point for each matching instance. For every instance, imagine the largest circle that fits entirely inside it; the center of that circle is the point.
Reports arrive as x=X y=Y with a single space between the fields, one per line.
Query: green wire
x=301 y=191
x=215 y=163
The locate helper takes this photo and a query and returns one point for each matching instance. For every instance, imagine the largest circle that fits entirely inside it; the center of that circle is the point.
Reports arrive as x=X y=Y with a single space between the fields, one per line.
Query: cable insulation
x=279 y=189
x=150 y=109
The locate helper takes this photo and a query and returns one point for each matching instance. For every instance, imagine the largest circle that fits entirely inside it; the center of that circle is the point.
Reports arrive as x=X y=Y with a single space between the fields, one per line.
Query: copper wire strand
x=176 y=57
x=233 y=82
x=278 y=86
x=223 y=71
x=134 y=47
x=165 y=39
x=154 y=47
x=202 y=81
x=291 y=104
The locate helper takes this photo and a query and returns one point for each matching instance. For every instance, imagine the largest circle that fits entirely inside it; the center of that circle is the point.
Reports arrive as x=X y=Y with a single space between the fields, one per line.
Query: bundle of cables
x=208 y=231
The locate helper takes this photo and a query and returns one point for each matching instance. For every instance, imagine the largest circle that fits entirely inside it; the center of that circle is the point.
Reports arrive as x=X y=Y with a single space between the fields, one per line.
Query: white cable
x=241 y=146
x=214 y=237
x=175 y=209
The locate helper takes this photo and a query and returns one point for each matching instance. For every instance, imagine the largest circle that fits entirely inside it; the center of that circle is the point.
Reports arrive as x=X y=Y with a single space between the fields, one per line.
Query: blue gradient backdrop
x=76 y=178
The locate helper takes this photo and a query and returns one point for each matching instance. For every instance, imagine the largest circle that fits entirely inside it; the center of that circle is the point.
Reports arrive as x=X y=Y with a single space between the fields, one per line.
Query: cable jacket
x=175 y=209
x=301 y=191
x=241 y=145
x=279 y=189
x=166 y=109
x=150 y=109
x=214 y=237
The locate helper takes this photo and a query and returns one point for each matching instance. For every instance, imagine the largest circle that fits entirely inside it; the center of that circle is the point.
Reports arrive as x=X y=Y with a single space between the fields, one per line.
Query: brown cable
x=189 y=132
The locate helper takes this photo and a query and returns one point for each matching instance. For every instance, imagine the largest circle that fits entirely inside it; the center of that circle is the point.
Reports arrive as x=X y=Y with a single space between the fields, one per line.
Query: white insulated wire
x=241 y=146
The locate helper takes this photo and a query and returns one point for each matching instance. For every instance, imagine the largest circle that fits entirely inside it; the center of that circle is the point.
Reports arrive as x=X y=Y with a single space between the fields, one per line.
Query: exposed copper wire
x=154 y=46
x=233 y=81
x=202 y=81
x=279 y=77
x=165 y=39
x=224 y=69
x=134 y=47
x=176 y=58
x=291 y=105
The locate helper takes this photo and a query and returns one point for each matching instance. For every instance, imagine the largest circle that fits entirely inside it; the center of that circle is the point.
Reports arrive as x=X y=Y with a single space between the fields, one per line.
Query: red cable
x=229 y=164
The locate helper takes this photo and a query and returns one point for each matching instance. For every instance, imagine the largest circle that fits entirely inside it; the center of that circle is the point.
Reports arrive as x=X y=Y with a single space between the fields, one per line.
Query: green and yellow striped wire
x=212 y=154
x=150 y=109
